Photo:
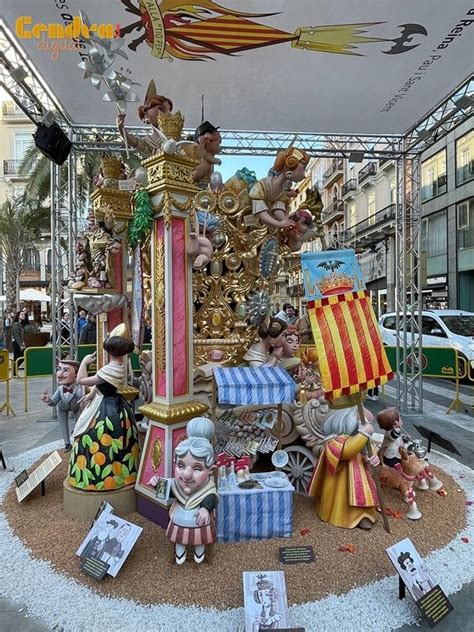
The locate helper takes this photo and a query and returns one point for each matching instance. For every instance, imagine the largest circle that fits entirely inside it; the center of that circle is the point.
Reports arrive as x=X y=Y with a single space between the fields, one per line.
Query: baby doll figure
x=208 y=137
x=389 y=420
x=191 y=514
x=199 y=245
x=302 y=231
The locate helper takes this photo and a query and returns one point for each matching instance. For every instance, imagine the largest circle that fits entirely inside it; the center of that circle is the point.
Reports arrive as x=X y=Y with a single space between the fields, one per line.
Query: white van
x=440 y=328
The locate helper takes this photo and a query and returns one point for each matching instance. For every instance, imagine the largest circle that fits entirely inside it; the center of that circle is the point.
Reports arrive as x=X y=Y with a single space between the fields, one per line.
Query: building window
x=351 y=215
x=465 y=158
x=466 y=224
x=433 y=176
x=23 y=140
x=32 y=259
x=393 y=190
x=371 y=207
x=434 y=243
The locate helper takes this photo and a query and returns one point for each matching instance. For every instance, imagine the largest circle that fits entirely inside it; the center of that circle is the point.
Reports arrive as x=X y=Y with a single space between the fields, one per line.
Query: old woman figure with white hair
x=191 y=514
x=342 y=481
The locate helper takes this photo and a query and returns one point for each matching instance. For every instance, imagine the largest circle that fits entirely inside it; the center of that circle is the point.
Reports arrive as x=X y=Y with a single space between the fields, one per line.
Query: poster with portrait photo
x=411 y=568
x=265 y=601
x=110 y=540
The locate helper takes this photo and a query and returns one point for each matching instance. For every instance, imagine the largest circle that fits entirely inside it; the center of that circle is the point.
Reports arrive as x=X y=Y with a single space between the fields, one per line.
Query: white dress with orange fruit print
x=106 y=455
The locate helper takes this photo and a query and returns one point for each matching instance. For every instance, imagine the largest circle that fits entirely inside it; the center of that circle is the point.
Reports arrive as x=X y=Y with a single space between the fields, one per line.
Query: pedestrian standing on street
x=81 y=321
x=303 y=325
x=89 y=331
x=281 y=315
x=18 y=339
x=65 y=329
x=291 y=316
x=373 y=394
x=7 y=329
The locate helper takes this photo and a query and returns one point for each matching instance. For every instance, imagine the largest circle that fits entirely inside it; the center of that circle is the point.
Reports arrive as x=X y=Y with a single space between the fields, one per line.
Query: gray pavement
x=37 y=427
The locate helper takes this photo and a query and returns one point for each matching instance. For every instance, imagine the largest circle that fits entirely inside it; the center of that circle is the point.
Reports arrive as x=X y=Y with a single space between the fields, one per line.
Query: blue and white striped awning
x=247 y=385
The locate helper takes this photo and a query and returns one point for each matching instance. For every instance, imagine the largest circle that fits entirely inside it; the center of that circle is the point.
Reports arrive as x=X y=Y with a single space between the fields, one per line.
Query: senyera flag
x=346 y=335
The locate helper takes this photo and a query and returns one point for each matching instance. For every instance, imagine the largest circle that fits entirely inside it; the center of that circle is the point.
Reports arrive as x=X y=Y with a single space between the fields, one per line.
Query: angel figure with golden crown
x=154 y=105
x=270 y=195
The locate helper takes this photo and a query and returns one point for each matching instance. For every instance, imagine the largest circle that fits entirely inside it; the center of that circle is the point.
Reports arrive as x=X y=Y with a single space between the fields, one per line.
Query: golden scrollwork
x=171 y=414
x=116 y=202
x=170 y=172
x=221 y=290
x=167 y=204
x=160 y=304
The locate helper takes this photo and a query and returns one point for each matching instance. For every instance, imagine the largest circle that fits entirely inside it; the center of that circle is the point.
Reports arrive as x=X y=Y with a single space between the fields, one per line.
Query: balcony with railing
x=334 y=211
x=386 y=163
x=11 y=167
x=381 y=223
x=369 y=170
x=334 y=172
x=348 y=187
x=10 y=108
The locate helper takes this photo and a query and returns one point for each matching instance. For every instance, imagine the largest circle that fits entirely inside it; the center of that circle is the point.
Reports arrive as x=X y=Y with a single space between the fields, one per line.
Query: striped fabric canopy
x=248 y=386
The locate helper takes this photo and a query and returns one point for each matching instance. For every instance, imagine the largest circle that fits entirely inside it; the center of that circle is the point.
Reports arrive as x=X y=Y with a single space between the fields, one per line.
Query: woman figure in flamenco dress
x=105 y=454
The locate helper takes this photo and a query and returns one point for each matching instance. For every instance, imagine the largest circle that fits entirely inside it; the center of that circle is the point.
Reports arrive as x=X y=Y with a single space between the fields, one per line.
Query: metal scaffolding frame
x=408 y=295
x=35 y=99
x=63 y=238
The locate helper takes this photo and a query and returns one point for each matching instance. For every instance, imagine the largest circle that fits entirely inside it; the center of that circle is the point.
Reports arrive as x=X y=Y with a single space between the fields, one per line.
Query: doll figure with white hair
x=194 y=492
x=342 y=482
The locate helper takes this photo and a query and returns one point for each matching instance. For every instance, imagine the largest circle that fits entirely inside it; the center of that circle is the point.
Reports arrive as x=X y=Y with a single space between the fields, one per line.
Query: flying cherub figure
x=199 y=246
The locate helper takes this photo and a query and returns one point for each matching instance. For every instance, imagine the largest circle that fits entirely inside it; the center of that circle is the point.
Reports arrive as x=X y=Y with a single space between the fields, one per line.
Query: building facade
x=447 y=198
x=359 y=212
x=16 y=135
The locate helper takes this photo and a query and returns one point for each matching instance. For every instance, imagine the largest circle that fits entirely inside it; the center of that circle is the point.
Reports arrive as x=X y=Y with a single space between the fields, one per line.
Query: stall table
x=255 y=514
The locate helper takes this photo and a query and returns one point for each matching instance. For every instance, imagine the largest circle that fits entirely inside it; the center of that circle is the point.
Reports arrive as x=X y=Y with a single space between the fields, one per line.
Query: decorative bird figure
x=171 y=146
x=331 y=265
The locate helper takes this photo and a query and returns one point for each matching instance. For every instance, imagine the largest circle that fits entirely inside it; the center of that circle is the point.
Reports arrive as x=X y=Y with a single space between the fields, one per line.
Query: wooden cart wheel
x=300 y=467
x=289 y=433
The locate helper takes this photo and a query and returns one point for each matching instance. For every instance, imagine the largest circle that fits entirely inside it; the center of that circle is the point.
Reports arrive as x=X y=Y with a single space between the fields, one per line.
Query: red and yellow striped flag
x=348 y=343
x=228 y=34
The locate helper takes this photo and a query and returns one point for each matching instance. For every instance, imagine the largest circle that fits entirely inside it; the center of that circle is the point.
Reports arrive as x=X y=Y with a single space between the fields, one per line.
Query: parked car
x=440 y=328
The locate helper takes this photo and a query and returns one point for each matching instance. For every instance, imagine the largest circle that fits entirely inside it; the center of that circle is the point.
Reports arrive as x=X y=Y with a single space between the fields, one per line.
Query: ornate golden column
x=171 y=190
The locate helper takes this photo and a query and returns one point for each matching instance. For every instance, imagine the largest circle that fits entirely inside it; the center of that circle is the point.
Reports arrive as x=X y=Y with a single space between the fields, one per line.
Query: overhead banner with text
x=346 y=335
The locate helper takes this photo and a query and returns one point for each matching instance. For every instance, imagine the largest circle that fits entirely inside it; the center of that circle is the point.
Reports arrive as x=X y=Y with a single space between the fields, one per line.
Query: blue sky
x=230 y=164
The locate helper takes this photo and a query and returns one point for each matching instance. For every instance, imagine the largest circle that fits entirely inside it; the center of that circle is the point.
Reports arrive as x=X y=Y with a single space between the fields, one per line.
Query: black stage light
x=52 y=142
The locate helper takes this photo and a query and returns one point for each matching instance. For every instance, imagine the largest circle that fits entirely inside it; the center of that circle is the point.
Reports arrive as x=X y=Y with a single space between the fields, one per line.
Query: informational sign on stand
x=93 y=567
x=109 y=541
x=296 y=554
x=416 y=578
x=127 y=185
x=434 y=606
x=38 y=476
x=21 y=478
